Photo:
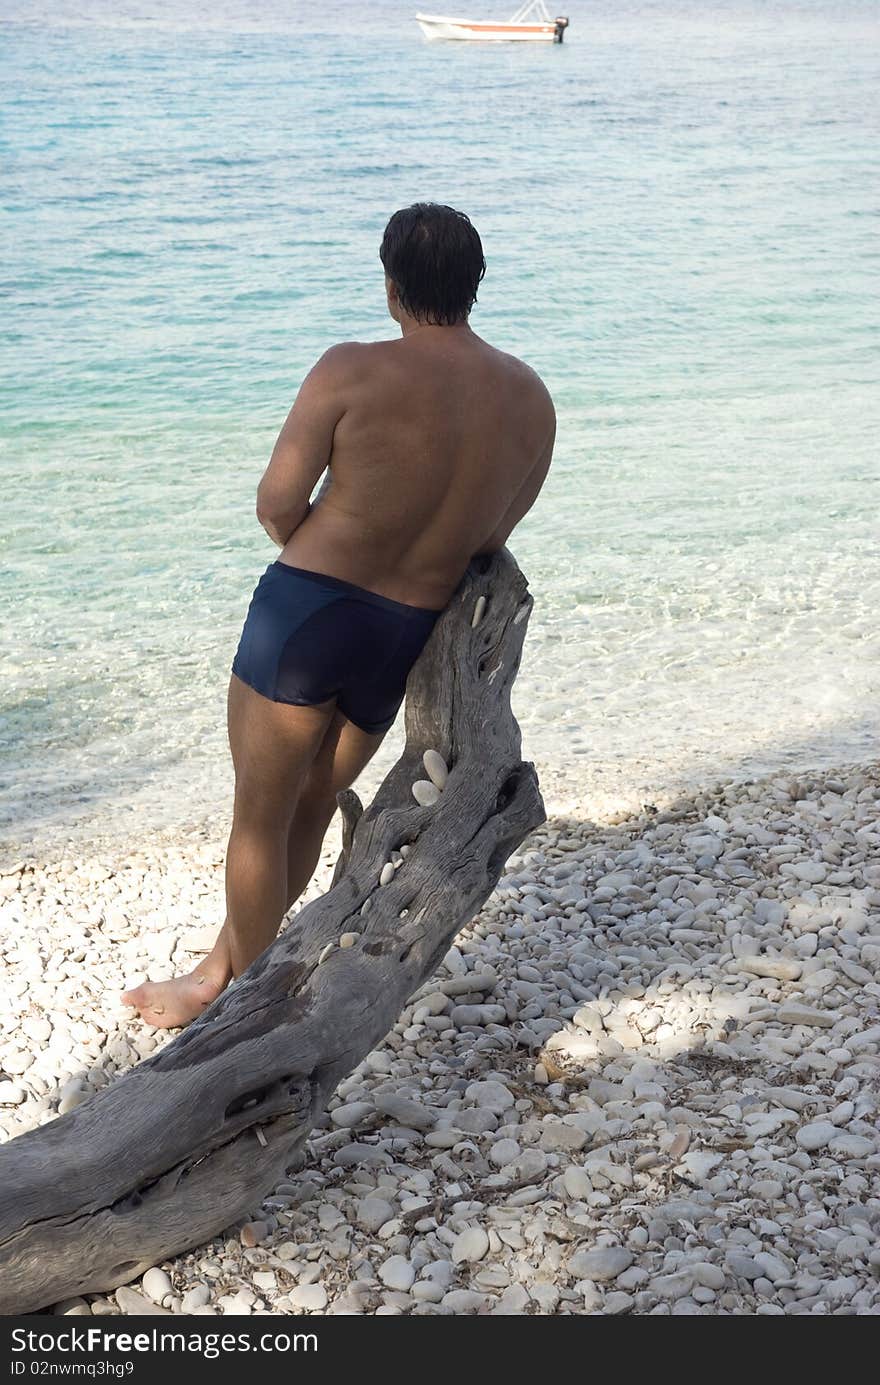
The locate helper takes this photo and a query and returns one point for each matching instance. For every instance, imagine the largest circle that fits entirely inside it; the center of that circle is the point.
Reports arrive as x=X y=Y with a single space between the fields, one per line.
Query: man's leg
x=345 y=751
x=343 y=754
x=273 y=746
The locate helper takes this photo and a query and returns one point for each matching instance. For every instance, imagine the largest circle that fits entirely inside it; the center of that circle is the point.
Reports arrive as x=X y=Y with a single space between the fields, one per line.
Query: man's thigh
x=345 y=752
x=273 y=747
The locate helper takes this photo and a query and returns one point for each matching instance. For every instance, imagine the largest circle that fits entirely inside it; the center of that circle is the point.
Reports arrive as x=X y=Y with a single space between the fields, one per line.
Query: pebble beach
x=644 y=1080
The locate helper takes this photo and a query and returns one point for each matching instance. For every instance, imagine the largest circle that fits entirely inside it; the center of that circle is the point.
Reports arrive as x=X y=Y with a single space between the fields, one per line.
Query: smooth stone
x=477 y=1015
x=512 y=1302
x=312 y=1297
x=200 y=939
x=708 y=1275
x=802 y=1014
x=348 y=939
x=816 y=1135
x=435 y=768
x=373 y=1212
x=492 y=1096
x=134 y=1304
x=441 y=1271
x=865 y=1038
x=700 y=1164
x=397 y=1273
x=427 y=1291
x=776 y=968
x=156 y=1284
x=71 y=1100
x=849 y=1146
x=812 y=872
x=743 y=1266
x=387 y=873
x=475 y=1120
x=350 y=1155
x=425 y=793
x=577 y=1182
x=772 y=1267
x=351 y=1113
x=470 y=1246
x=600 y=1265
x=196 y=1297
x=404 y=1110
x=40 y=1030
x=463 y=1301
x=556 y=1135
x=674 y=1286
x=504 y=1152
x=617 y=1302
x=447 y=1138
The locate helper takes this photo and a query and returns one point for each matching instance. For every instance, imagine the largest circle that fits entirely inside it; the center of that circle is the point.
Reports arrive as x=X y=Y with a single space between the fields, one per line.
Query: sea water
x=680 y=213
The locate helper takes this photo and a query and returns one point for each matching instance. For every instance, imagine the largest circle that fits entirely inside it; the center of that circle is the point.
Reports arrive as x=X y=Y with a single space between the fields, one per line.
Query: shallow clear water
x=679 y=209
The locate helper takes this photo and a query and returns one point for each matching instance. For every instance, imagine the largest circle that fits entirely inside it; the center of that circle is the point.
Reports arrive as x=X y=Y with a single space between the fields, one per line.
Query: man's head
x=433 y=261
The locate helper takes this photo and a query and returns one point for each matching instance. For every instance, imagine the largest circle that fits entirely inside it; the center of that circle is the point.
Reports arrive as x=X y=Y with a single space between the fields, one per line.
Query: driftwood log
x=190 y=1141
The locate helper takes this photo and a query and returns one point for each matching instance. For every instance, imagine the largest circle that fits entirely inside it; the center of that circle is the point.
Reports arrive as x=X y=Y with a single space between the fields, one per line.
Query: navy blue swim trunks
x=309 y=637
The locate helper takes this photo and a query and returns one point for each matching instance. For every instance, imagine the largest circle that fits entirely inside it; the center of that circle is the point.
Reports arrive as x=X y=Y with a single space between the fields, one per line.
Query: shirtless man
x=435 y=445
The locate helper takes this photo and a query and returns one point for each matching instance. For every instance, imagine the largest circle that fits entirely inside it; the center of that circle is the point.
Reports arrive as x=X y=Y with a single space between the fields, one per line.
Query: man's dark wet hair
x=434 y=257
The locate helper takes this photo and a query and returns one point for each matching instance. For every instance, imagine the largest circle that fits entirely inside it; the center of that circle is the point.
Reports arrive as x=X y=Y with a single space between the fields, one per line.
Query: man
x=435 y=446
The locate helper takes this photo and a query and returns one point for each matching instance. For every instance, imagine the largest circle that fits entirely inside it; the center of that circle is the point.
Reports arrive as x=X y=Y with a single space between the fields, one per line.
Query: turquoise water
x=679 y=208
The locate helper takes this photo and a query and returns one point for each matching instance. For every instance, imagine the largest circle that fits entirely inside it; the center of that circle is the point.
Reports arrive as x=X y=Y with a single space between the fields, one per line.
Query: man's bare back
x=437 y=445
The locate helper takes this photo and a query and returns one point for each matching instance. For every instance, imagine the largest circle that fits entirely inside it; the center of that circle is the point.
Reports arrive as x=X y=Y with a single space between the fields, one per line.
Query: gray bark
x=170 y=1154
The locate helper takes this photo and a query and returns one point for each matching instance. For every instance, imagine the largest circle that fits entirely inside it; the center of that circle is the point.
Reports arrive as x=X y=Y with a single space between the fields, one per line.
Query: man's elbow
x=265 y=513
x=271 y=512
x=268 y=509
x=279 y=529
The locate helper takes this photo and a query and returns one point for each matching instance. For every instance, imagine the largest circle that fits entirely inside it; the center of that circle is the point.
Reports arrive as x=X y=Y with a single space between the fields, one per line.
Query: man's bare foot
x=170 y=1004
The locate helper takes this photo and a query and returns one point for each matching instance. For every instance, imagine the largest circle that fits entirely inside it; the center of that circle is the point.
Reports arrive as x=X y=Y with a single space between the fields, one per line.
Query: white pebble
x=435 y=768
x=816 y=1135
x=312 y=1297
x=373 y=1212
x=194 y=1298
x=600 y=1265
x=425 y=793
x=156 y=1284
x=577 y=1182
x=397 y=1273
x=470 y=1246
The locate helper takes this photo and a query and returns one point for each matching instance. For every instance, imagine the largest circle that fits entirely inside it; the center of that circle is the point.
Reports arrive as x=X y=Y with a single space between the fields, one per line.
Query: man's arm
x=304 y=445
x=524 y=498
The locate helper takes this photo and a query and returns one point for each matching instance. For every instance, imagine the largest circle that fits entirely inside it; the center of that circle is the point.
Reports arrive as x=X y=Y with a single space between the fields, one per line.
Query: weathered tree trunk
x=190 y=1140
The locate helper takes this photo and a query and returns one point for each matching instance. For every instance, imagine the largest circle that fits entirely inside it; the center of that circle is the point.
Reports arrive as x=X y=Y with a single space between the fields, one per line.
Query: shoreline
x=644 y=1079
x=608 y=799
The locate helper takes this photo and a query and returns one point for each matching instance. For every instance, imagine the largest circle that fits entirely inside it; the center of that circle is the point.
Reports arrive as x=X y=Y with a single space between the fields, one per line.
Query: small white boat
x=532 y=23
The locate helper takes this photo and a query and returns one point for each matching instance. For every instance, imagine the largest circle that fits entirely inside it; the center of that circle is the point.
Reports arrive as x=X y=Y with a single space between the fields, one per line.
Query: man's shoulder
x=526 y=379
x=348 y=360
x=343 y=354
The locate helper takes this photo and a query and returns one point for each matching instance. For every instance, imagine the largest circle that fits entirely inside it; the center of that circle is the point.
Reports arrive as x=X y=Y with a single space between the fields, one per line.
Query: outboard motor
x=561 y=22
